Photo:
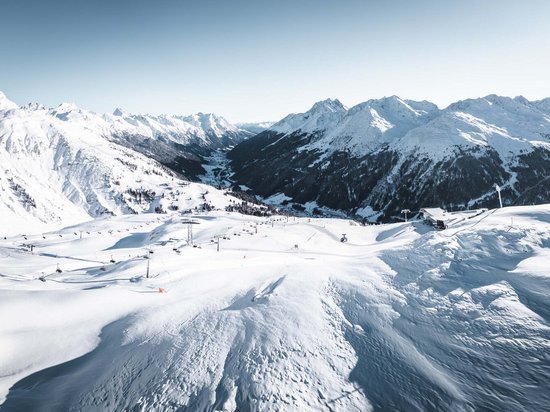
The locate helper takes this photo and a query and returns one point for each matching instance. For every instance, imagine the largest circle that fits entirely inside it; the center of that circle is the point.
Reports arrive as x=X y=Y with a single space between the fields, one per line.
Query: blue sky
x=259 y=60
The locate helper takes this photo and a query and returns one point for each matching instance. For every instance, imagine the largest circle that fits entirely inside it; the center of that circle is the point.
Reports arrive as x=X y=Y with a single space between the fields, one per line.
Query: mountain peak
x=66 y=107
x=33 y=106
x=5 y=103
x=119 y=112
x=328 y=105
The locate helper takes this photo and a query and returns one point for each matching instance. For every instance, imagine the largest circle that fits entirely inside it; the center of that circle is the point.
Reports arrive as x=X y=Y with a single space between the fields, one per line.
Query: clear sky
x=260 y=60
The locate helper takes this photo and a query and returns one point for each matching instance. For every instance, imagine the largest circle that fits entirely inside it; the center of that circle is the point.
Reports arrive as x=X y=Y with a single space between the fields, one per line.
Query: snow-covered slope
x=206 y=130
x=320 y=117
x=61 y=166
x=283 y=317
x=178 y=142
x=362 y=128
x=5 y=103
x=388 y=154
x=510 y=126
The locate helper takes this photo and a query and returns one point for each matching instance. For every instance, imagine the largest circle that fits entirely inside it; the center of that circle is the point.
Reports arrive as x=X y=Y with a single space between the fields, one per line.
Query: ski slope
x=283 y=317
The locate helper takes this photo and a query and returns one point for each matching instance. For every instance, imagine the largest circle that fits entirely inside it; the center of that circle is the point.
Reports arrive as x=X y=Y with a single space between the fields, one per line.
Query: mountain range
x=112 y=300
x=65 y=164
x=389 y=154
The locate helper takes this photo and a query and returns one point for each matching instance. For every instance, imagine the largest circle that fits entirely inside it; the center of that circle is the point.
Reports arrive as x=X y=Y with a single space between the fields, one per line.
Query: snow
x=277 y=199
x=5 y=103
x=510 y=126
x=255 y=128
x=61 y=166
x=283 y=317
x=368 y=213
x=321 y=116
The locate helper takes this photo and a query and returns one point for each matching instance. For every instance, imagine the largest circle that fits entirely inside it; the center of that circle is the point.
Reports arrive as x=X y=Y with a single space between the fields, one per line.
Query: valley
x=125 y=284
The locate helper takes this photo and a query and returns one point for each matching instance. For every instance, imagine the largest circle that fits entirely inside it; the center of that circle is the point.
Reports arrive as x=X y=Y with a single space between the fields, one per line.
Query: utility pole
x=148 y=257
x=218 y=242
x=190 y=224
x=497 y=188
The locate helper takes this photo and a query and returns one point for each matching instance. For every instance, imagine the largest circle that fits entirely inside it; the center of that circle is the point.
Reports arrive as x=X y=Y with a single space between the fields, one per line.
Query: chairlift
x=344 y=238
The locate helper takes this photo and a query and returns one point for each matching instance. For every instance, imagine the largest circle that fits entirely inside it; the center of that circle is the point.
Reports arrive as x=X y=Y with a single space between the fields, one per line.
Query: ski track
x=398 y=318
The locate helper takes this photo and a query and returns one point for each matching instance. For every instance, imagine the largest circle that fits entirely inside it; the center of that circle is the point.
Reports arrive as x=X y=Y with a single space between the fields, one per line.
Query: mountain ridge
x=65 y=165
x=386 y=154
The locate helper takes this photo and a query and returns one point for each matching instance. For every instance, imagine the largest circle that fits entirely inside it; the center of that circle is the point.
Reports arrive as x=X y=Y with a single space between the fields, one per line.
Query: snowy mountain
x=178 y=142
x=203 y=130
x=283 y=317
x=108 y=308
x=62 y=166
x=5 y=103
x=388 y=154
x=255 y=128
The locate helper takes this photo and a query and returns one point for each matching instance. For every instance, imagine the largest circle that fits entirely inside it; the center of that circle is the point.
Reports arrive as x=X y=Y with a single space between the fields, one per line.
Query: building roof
x=435 y=213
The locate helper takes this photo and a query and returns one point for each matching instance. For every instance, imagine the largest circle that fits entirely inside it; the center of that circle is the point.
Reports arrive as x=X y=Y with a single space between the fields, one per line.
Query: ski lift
x=344 y=238
x=112 y=260
x=58 y=270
